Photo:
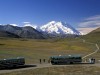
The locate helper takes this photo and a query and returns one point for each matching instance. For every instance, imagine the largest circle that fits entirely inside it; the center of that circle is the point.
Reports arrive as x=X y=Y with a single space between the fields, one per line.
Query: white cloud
x=26 y=22
x=14 y=24
x=89 y=24
x=31 y=25
x=96 y=17
x=93 y=21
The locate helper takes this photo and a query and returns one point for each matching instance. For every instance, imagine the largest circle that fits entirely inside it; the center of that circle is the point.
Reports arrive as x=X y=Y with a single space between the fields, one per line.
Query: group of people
x=44 y=60
x=92 y=60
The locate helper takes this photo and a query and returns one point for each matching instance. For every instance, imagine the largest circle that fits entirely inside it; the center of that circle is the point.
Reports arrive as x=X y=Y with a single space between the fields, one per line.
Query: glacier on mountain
x=54 y=27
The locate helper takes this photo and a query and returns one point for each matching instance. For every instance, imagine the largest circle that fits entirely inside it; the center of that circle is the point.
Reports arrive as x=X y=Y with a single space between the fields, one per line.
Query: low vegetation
x=33 y=50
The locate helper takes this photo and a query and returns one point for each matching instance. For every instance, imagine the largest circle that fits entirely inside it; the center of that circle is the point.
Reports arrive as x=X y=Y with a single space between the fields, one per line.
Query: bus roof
x=66 y=56
x=12 y=58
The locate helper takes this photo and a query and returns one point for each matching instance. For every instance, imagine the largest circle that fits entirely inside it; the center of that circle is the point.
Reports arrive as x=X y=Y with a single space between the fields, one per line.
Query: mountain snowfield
x=54 y=27
x=31 y=25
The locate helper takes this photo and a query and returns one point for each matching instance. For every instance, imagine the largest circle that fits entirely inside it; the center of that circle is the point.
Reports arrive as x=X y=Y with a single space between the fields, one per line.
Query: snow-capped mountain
x=51 y=29
x=54 y=27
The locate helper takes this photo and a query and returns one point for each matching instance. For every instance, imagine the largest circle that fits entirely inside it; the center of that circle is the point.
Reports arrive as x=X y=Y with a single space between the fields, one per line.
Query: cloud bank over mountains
x=29 y=24
x=52 y=28
x=89 y=24
x=24 y=24
x=14 y=24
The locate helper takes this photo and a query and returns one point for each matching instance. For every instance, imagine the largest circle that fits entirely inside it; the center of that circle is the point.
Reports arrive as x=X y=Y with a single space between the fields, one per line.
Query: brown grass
x=33 y=50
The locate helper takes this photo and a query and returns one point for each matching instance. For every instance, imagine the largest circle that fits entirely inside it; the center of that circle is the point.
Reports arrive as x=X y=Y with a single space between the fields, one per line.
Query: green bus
x=65 y=59
x=12 y=62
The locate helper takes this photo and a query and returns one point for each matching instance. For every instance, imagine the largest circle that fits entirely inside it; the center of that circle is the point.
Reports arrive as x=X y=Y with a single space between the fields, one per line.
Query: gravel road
x=33 y=66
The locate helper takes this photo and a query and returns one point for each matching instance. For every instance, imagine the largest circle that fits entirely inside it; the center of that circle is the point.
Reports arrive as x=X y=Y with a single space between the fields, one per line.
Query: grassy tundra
x=33 y=50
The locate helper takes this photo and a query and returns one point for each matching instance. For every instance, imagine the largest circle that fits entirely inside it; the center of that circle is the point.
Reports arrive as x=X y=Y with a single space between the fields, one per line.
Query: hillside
x=23 y=32
x=8 y=34
x=93 y=36
x=33 y=49
x=95 y=32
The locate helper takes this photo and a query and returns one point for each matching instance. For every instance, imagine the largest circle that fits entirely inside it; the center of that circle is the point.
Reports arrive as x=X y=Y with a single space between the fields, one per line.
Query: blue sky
x=39 y=12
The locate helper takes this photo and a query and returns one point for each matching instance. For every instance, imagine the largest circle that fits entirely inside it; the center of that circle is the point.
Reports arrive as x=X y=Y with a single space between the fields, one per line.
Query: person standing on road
x=40 y=61
x=44 y=60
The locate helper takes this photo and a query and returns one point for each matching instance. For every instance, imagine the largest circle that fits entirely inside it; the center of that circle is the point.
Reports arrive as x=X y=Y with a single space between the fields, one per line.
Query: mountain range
x=23 y=32
x=52 y=28
x=8 y=34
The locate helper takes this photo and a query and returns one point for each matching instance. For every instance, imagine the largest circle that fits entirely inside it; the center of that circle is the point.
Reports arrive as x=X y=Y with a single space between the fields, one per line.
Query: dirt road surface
x=28 y=67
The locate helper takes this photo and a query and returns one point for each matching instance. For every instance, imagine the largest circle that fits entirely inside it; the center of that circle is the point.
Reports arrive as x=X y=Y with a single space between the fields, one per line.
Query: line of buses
x=54 y=60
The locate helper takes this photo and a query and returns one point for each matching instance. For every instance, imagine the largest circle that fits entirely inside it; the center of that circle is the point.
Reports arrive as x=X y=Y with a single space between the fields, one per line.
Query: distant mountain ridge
x=51 y=29
x=95 y=31
x=93 y=36
x=8 y=34
x=23 y=32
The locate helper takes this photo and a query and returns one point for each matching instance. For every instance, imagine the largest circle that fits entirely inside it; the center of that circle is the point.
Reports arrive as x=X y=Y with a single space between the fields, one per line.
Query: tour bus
x=12 y=62
x=65 y=59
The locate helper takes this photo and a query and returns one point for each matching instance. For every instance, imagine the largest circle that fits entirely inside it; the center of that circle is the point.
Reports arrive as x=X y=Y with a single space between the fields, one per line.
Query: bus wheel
x=71 y=62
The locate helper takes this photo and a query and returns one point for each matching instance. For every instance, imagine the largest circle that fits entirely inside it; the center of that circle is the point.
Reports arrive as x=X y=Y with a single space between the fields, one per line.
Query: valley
x=35 y=49
x=50 y=37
